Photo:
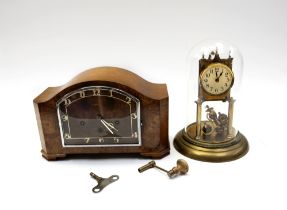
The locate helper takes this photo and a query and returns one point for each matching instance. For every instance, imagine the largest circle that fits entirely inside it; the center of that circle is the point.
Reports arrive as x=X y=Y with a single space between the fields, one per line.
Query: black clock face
x=99 y=116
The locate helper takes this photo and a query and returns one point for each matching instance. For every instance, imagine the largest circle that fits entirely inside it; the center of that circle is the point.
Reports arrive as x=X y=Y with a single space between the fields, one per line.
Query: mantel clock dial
x=110 y=117
x=214 y=138
x=104 y=110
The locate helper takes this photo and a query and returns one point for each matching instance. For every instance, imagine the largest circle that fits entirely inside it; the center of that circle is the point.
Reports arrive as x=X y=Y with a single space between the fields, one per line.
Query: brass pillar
x=198 y=118
x=230 y=116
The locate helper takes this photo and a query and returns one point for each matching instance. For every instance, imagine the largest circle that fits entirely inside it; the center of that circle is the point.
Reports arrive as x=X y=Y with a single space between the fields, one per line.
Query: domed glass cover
x=215 y=71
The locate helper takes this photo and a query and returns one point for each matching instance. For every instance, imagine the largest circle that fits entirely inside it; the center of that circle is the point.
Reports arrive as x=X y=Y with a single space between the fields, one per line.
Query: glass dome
x=215 y=70
x=207 y=53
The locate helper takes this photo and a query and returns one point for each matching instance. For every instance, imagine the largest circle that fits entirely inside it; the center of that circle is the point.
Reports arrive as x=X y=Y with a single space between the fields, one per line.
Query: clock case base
x=154 y=155
x=227 y=151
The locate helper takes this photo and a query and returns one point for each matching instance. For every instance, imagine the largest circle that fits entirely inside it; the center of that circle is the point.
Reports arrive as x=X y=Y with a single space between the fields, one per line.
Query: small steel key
x=103 y=182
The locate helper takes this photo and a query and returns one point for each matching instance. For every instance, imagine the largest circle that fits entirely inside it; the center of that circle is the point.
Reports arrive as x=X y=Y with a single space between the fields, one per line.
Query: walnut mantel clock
x=104 y=110
x=217 y=66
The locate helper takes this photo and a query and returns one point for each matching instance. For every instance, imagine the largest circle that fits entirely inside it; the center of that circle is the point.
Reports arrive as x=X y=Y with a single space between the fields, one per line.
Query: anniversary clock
x=104 y=110
x=212 y=137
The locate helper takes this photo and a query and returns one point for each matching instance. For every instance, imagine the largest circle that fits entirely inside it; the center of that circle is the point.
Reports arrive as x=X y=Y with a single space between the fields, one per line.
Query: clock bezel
x=101 y=87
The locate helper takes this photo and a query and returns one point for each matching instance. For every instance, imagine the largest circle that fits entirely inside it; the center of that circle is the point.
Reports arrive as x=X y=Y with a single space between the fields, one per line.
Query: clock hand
x=217 y=78
x=110 y=125
x=104 y=123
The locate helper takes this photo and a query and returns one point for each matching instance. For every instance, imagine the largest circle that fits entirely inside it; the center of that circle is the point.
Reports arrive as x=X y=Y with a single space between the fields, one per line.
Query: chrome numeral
x=67 y=136
x=97 y=92
x=82 y=94
x=67 y=102
x=134 y=116
x=135 y=135
x=64 y=117
x=87 y=140
x=128 y=100
x=117 y=140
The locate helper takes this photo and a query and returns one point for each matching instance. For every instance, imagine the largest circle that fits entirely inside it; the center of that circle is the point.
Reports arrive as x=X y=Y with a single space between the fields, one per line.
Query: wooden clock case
x=153 y=109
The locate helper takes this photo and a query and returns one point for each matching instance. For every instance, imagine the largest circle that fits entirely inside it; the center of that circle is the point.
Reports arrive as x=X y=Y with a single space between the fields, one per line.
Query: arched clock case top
x=105 y=110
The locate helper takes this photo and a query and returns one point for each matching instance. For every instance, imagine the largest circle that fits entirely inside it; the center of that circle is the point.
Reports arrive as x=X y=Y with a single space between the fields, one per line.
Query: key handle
x=180 y=168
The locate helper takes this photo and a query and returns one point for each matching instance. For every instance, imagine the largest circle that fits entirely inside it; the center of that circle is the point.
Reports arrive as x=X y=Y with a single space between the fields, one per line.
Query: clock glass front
x=99 y=116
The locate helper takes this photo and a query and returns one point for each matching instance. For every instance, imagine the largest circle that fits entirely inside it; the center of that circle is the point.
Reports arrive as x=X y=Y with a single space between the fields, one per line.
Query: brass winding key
x=180 y=168
x=103 y=182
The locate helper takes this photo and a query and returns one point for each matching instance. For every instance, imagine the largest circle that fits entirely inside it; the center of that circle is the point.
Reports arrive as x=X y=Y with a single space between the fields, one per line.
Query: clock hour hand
x=217 y=78
x=104 y=123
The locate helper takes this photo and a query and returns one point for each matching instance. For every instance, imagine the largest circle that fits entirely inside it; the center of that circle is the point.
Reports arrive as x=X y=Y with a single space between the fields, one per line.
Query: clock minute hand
x=104 y=123
x=217 y=78
x=110 y=125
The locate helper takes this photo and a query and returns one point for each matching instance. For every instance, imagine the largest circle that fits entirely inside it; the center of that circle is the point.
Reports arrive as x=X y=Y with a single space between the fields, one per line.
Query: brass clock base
x=211 y=152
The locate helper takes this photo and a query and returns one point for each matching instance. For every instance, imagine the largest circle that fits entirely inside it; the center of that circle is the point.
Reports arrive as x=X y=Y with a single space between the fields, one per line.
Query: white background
x=46 y=43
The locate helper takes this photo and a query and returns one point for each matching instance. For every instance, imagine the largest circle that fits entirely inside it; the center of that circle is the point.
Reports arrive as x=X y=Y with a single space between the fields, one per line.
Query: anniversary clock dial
x=109 y=116
x=216 y=79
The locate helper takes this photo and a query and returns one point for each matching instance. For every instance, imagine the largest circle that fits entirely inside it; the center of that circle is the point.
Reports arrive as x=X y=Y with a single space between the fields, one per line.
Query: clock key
x=103 y=182
x=180 y=168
